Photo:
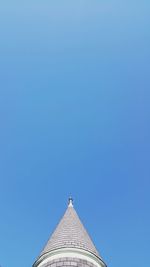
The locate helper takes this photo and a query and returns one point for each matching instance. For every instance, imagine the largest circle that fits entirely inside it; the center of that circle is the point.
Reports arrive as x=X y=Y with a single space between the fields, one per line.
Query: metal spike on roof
x=70 y=202
x=70 y=233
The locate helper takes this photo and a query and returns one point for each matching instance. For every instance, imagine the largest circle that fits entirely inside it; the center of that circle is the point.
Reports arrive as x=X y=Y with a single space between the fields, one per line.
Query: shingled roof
x=70 y=233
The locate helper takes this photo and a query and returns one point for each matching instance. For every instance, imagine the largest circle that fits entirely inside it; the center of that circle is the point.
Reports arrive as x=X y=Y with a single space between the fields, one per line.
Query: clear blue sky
x=74 y=119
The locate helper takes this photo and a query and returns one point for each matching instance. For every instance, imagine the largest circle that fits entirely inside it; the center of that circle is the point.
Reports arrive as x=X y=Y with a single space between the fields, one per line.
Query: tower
x=69 y=245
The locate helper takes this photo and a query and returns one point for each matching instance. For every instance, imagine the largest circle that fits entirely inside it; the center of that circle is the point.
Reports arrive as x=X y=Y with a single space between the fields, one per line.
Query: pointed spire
x=70 y=233
x=70 y=239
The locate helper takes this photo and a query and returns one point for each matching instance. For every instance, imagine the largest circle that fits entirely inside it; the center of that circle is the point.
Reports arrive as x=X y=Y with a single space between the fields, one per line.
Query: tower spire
x=69 y=243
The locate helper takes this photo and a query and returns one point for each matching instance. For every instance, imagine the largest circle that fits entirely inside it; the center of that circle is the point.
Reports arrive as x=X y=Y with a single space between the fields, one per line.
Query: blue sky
x=74 y=120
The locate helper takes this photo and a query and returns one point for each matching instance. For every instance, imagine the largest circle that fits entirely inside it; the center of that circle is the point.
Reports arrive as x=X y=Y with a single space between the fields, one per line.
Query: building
x=69 y=245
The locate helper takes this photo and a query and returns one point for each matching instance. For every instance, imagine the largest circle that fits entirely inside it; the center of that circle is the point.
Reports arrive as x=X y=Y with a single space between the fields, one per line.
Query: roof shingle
x=70 y=233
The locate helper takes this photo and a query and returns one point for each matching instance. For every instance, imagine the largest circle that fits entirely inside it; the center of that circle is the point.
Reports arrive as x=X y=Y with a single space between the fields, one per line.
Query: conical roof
x=70 y=233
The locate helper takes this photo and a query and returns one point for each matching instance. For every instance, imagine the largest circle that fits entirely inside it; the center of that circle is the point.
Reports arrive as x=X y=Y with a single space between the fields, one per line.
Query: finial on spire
x=70 y=202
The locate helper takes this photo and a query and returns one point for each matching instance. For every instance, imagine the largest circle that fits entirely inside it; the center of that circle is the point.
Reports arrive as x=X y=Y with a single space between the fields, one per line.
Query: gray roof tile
x=70 y=233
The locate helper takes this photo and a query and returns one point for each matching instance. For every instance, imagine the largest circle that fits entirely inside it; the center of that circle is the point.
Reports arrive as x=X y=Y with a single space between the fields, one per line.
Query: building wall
x=68 y=262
